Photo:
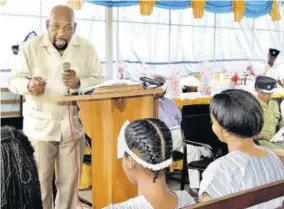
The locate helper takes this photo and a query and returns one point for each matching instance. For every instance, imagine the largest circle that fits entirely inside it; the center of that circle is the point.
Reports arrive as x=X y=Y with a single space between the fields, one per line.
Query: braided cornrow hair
x=152 y=139
x=20 y=186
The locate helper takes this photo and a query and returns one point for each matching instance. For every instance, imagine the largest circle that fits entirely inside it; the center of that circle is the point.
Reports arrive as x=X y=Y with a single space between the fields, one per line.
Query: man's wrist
x=28 y=86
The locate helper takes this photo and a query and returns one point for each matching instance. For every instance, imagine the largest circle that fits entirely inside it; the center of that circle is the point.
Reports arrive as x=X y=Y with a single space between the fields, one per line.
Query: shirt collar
x=46 y=42
x=275 y=65
x=262 y=103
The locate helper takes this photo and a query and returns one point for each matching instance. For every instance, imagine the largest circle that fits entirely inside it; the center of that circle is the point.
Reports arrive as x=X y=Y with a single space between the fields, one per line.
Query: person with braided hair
x=20 y=186
x=146 y=148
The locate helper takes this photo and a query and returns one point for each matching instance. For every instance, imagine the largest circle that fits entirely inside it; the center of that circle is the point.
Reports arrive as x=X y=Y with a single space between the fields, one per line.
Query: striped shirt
x=238 y=171
x=140 y=202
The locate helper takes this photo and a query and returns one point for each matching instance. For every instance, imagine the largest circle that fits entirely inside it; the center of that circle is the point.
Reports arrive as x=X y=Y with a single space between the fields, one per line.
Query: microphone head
x=66 y=66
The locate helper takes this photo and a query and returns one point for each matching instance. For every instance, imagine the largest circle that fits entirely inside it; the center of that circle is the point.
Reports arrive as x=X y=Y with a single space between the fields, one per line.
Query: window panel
x=263 y=40
x=185 y=17
x=265 y=23
x=20 y=7
x=16 y=30
x=88 y=11
x=132 y=14
x=227 y=21
x=95 y=32
x=192 y=43
x=233 y=44
x=148 y=43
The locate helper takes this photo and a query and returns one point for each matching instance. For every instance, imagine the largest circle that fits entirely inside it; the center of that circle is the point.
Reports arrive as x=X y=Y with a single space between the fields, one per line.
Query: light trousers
x=63 y=154
x=194 y=153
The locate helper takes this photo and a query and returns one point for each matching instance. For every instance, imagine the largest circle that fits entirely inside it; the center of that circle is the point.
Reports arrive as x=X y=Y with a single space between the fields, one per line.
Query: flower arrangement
x=175 y=84
x=234 y=80
x=120 y=70
x=205 y=86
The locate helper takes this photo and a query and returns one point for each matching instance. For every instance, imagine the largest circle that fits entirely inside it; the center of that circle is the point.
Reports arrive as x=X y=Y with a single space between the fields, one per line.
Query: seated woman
x=145 y=147
x=237 y=118
x=20 y=187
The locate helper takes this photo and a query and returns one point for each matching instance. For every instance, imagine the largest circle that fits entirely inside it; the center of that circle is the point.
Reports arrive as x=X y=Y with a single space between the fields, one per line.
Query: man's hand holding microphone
x=69 y=77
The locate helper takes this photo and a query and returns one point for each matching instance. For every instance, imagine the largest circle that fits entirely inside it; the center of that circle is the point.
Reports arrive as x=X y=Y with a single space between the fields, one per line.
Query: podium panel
x=102 y=120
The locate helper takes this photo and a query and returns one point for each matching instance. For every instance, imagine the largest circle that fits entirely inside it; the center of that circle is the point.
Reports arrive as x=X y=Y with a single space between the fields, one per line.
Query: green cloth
x=272 y=145
x=271 y=116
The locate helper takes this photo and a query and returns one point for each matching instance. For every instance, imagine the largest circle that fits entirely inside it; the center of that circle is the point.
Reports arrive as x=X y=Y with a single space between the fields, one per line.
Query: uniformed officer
x=273 y=69
x=272 y=118
x=270 y=67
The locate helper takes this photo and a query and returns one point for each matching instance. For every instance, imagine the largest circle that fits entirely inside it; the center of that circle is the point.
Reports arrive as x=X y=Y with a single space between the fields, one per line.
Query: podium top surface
x=118 y=94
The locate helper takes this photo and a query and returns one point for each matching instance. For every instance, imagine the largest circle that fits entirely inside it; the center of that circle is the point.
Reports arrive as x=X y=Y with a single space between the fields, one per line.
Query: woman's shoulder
x=184 y=199
x=138 y=202
x=231 y=162
x=240 y=162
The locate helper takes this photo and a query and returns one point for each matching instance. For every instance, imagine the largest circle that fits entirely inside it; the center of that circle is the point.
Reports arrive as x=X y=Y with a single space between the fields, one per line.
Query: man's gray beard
x=61 y=48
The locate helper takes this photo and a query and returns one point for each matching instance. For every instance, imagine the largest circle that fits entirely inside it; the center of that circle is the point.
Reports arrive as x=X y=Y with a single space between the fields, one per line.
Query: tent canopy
x=250 y=8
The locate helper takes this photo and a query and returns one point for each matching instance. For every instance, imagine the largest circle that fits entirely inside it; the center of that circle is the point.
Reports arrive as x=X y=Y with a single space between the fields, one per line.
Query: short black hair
x=238 y=112
x=19 y=176
x=152 y=139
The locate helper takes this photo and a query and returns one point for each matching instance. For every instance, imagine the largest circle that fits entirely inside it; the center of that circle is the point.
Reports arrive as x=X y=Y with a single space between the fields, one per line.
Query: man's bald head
x=61 y=26
x=62 y=12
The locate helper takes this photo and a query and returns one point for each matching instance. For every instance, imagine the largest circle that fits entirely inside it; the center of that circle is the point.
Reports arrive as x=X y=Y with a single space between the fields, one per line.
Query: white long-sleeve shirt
x=276 y=71
x=44 y=118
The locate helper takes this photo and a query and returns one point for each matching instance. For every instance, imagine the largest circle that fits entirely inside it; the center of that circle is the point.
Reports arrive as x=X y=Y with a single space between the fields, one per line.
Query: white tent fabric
x=174 y=40
x=166 y=40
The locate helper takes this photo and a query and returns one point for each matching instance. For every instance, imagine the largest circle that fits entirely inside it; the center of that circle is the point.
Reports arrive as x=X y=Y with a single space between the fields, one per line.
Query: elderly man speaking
x=53 y=129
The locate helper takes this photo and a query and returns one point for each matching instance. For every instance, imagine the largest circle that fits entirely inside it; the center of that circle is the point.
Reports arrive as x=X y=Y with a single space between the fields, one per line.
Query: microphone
x=67 y=68
x=152 y=81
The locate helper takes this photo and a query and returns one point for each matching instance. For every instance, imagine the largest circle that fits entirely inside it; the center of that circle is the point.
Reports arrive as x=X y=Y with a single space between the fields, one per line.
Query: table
x=195 y=98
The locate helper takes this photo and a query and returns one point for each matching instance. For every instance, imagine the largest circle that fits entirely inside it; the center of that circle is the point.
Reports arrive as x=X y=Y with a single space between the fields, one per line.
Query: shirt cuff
x=24 y=86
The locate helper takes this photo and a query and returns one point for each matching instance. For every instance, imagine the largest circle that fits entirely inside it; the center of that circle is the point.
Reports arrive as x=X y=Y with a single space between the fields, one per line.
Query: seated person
x=271 y=112
x=237 y=118
x=171 y=116
x=282 y=108
x=20 y=187
x=146 y=148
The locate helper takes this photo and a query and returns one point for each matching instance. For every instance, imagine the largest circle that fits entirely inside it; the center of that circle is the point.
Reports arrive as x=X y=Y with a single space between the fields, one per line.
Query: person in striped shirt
x=237 y=118
x=145 y=147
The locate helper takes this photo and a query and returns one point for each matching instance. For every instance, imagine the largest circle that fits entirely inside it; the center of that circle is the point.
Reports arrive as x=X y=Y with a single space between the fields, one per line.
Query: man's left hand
x=70 y=79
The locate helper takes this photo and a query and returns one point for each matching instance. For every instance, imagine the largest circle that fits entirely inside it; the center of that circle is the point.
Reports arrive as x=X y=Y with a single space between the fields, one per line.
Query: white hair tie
x=122 y=148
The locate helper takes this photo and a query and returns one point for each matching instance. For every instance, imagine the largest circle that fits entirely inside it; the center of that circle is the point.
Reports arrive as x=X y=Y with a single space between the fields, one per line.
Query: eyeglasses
x=58 y=28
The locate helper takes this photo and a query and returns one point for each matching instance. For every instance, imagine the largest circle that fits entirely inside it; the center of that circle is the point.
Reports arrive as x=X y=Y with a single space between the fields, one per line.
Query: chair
x=175 y=174
x=197 y=131
x=189 y=110
x=16 y=122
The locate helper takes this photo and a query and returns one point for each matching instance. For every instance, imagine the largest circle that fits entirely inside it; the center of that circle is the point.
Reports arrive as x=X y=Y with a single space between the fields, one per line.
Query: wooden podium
x=102 y=115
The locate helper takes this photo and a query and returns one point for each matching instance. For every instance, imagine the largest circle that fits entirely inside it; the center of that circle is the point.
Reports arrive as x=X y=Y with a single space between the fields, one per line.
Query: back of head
x=20 y=187
x=160 y=78
x=272 y=55
x=238 y=112
x=152 y=139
